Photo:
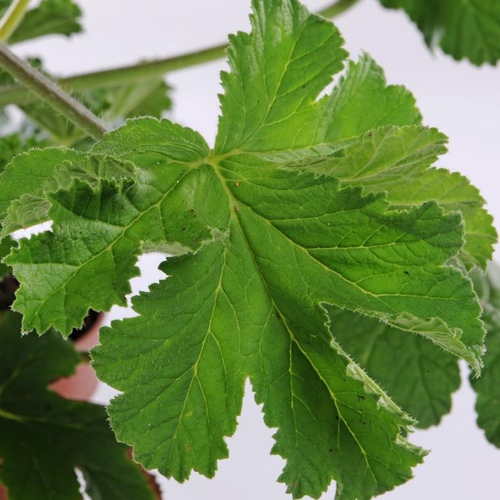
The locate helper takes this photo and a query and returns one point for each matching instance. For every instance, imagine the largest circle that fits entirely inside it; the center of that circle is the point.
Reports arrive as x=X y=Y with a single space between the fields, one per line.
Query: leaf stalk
x=11 y=19
x=51 y=93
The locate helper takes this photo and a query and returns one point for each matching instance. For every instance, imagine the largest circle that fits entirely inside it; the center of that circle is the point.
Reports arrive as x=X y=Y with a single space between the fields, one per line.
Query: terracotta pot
x=84 y=382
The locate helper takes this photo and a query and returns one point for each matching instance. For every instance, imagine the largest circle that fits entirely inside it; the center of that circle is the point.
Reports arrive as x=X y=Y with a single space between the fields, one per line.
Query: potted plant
x=314 y=249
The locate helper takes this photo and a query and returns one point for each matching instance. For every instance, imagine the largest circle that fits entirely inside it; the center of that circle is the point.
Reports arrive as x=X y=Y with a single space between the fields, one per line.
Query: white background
x=461 y=100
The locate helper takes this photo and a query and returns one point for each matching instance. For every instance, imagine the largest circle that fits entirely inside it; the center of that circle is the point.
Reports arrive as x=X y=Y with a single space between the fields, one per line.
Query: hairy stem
x=143 y=71
x=11 y=19
x=49 y=92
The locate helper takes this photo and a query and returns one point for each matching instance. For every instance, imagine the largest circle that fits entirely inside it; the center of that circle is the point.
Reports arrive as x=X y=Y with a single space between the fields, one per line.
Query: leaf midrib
x=232 y=200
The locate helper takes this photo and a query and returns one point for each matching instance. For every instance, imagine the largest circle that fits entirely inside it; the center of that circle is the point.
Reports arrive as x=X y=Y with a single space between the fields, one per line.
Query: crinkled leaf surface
x=44 y=437
x=30 y=177
x=487 y=386
x=266 y=244
x=420 y=377
x=463 y=28
x=90 y=255
x=397 y=160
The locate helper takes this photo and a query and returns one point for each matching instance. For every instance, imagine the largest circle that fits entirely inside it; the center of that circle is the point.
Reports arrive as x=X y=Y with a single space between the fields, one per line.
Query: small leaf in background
x=113 y=105
x=465 y=29
x=487 y=386
x=13 y=145
x=45 y=437
x=49 y=17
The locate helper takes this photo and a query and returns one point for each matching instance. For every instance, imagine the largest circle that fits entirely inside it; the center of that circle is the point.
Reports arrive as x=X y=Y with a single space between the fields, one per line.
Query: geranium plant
x=313 y=249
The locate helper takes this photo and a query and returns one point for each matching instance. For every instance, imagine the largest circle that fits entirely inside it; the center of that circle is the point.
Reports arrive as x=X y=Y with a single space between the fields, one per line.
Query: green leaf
x=396 y=160
x=89 y=257
x=44 y=437
x=419 y=377
x=50 y=17
x=279 y=98
x=268 y=244
x=487 y=386
x=31 y=177
x=147 y=98
x=204 y=338
x=465 y=29
x=27 y=173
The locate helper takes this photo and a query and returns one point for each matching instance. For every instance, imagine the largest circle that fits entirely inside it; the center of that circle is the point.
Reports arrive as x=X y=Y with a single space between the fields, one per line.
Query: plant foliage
x=465 y=29
x=302 y=203
x=315 y=240
x=44 y=436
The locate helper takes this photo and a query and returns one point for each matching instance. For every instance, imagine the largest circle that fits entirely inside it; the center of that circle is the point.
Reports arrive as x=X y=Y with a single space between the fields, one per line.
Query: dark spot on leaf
x=330 y=450
x=338 y=154
x=360 y=397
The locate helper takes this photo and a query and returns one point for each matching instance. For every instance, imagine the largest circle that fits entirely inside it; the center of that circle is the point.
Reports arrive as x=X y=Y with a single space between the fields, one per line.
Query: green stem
x=51 y=93
x=11 y=19
x=143 y=71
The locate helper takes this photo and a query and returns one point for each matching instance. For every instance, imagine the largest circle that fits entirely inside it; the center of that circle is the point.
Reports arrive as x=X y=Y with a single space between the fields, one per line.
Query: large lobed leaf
x=463 y=28
x=44 y=437
x=273 y=224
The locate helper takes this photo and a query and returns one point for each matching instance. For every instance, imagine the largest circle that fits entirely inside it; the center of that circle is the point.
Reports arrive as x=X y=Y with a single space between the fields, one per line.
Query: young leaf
x=419 y=377
x=43 y=437
x=463 y=28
